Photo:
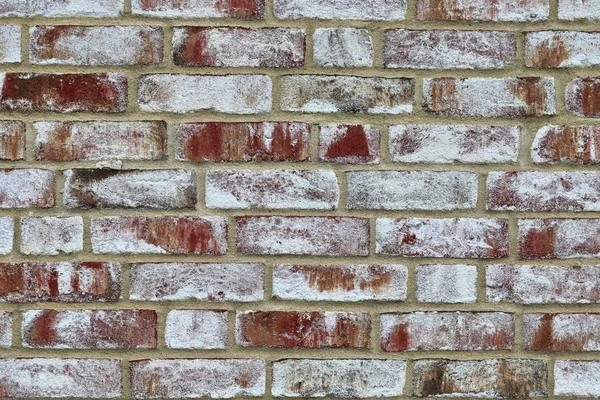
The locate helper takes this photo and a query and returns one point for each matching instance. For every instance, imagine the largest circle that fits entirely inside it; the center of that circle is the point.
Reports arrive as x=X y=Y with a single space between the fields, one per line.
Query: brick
x=446 y=144
x=319 y=236
x=95 y=45
x=100 y=188
x=449 y=49
x=51 y=235
x=244 y=9
x=497 y=379
x=196 y=329
x=100 y=140
x=24 y=188
x=449 y=237
x=349 y=283
x=7 y=232
x=566 y=144
x=348 y=94
x=90 y=329
x=371 y=10
x=5 y=329
x=272 y=189
x=561 y=332
x=349 y=144
x=582 y=97
x=562 y=49
x=195 y=46
x=578 y=9
x=310 y=330
x=452 y=283
x=178 y=93
x=67 y=282
x=577 y=378
x=349 y=378
x=489 y=97
x=483 y=10
x=411 y=190
x=62 y=8
x=99 y=92
x=61 y=377
x=342 y=47
x=159 y=235
x=455 y=331
x=241 y=282
x=198 y=378
x=543 y=284
x=543 y=191
x=10 y=44
x=243 y=142
x=558 y=238
x=12 y=140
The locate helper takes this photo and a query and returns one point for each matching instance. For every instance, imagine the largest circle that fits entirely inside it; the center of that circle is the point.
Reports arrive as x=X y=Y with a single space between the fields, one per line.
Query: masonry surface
x=299 y=198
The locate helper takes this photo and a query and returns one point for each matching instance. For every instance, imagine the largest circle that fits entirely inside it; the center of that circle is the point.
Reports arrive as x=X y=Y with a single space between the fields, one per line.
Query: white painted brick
x=452 y=283
x=5 y=329
x=562 y=49
x=342 y=47
x=62 y=8
x=577 y=378
x=10 y=43
x=572 y=10
x=370 y=10
x=196 y=329
x=51 y=235
x=7 y=232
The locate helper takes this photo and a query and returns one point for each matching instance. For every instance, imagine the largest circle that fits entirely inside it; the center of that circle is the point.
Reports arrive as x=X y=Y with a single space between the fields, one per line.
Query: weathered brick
x=562 y=49
x=241 y=142
x=23 y=188
x=192 y=281
x=7 y=233
x=483 y=10
x=272 y=189
x=489 y=97
x=61 y=377
x=342 y=47
x=582 y=96
x=12 y=140
x=90 y=329
x=497 y=379
x=159 y=235
x=95 y=45
x=242 y=9
x=427 y=331
x=567 y=144
x=51 y=235
x=446 y=144
x=311 y=330
x=457 y=238
x=10 y=43
x=559 y=238
x=5 y=329
x=577 y=378
x=411 y=190
x=196 y=329
x=449 y=49
x=62 y=281
x=62 y=8
x=371 y=10
x=196 y=46
x=340 y=282
x=349 y=144
x=561 y=332
x=100 y=140
x=198 y=378
x=543 y=191
x=322 y=236
x=579 y=9
x=349 y=94
x=542 y=284
x=102 y=188
x=453 y=283
x=345 y=378
x=178 y=93
x=99 y=92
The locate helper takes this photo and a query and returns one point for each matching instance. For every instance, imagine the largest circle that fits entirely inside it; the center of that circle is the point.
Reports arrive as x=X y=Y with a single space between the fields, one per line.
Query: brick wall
x=299 y=198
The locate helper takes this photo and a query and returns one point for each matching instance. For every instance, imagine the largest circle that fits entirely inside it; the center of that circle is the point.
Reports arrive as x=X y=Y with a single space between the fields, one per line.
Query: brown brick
x=12 y=140
x=583 y=97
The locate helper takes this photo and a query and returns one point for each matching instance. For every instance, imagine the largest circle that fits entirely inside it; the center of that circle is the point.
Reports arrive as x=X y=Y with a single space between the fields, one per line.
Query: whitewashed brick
x=371 y=10
x=342 y=47
x=452 y=283
x=196 y=329
x=51 y=235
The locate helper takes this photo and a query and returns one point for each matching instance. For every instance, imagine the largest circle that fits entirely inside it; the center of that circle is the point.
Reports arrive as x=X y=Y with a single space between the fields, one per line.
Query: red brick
x=101 y=92
x=325 y=236
x=12 y=140
x=159 y=235
x=455 y=331
x=90 y=329
x=583 y=97
x=559 y=238
x=567 y=144
x=349 y=144
x=242 y=9
x=6 y=327
x=483 y=10
x=24 y=188
x=312 y=330
x=561 y=332
x=238 y=47
x=60 y=281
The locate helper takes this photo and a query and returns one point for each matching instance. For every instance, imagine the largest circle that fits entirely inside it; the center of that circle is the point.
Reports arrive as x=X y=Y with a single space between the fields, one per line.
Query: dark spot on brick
x=353 y=143
x=538 y=243
x=443 y=96
x=531 y=91
x=42 y=332
x=549 y=54
x=543 y=339
x=397 y=340
x=432 y=380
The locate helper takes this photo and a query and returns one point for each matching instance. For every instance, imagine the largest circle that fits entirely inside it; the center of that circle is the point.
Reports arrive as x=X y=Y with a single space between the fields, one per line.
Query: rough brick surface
x=453 y=283
x=349 y=144
x=558 y=238
x=578 y=9
x=567 y=144
x=371 y=10
x=561 y=332
x=342 y=47
x=577 y=378
x=241 y=9
x=10 y=39
x=24 y=188
x=196 y=329
x=51 y=235
x=62 y=8
x=12 y=140
x=582 y=97
x=483 y=10
x=5 y=329
x=562 y=49
x=7 y=232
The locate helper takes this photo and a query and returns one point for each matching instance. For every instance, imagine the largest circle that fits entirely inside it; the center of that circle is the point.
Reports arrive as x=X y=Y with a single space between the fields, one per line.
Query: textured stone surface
x=24 y=188
x=577 y=378
x=452 y=283
x=558 y=238
x=349 y=144
x=562 y=49
x=582 y=97
x=196 y=329
x=483 y=10
x=342 y=47
x=51 y=235
x=561 y=332
x=243 y=9
x=370 y=10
